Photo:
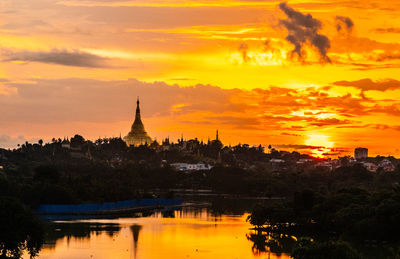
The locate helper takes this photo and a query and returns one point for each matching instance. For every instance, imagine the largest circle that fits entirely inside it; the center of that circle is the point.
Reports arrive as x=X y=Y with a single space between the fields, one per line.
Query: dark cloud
x=344 y=23
x=308 y=149
x=367 y=67
x=329 y=122
x=302 y=29
x=267 y=45
x=387 y=56
x=297 y=147
x=331 y=154
x=60 y=57
x=393 y=110
x=290 y=134
x=367 y=84
x=354 y=126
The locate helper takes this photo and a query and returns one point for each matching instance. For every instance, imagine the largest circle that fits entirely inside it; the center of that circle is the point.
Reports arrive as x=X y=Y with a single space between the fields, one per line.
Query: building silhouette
x=360 y=153
x=137 y=135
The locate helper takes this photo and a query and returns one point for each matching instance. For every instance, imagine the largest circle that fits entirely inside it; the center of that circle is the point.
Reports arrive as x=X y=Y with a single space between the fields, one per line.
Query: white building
x=304 y=161
x=276 y=161
x=387 y=165
x=370 y=166
x=183 y=167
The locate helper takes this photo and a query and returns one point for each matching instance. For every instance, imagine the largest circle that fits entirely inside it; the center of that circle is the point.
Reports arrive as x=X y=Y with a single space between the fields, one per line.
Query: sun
x=321 y=142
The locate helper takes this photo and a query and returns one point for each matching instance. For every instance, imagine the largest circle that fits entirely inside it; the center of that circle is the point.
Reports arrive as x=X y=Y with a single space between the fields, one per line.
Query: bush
x=19 y=230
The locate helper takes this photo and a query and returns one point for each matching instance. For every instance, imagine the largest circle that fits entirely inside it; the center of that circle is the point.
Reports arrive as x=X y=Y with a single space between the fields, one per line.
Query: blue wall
x=108 y=206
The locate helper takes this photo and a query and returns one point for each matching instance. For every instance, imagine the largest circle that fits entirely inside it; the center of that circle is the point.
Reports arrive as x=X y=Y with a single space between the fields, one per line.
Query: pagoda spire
x=138 y=134
x=137 y=117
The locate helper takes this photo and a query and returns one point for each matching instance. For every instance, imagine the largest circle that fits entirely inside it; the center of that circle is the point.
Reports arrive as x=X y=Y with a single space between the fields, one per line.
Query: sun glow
x=321 y=144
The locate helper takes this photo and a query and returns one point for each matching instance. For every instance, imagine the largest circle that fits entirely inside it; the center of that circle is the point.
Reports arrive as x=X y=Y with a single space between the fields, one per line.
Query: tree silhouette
x=19 y=230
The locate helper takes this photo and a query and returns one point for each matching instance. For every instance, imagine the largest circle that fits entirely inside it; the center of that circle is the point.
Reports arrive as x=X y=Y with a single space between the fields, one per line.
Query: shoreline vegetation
x=349 y=223
x=330 y=207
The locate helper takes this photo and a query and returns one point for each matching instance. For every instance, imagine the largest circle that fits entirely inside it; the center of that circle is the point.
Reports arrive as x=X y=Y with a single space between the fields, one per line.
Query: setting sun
x=321 y=143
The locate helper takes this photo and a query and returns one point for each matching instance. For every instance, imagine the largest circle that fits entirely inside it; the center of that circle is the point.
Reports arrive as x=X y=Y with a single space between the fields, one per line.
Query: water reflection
x=77 y=230
x=278 y=244
x=187 y=233
x=135 y=232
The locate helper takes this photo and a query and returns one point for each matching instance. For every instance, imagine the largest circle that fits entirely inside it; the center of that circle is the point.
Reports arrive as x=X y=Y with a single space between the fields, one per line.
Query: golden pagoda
x=137 y=135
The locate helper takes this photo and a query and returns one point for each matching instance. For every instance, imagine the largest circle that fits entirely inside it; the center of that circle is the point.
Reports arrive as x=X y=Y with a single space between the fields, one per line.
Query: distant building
x=360 y=153
x=325 y=164
x=184 y=167
x=276 y=161
x=370 y=166
x=137 y=135
x=66 y=144
x=387 y=165
x=304 y=161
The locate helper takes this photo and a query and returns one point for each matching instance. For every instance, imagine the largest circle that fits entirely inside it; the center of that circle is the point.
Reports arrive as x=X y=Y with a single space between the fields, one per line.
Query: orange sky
x=297 y=75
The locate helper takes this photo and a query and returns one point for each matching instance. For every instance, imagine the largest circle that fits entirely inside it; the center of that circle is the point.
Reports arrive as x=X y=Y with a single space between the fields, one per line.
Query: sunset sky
x=299 y=75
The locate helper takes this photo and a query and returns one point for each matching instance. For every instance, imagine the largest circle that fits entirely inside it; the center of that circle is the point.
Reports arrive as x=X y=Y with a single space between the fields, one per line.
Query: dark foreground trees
x=306 y=249
x=361 y=217
x=19 y=230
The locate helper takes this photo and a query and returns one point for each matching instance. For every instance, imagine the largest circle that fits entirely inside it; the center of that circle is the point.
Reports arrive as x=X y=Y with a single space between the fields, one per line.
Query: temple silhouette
x=137 y=135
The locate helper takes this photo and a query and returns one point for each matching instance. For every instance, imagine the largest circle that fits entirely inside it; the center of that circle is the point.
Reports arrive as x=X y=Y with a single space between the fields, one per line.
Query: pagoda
x=138 y=135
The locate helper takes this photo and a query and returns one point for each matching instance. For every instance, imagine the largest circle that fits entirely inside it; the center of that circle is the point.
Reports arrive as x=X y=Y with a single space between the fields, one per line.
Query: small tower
x=89 y=153
x=219 y=159
x=216 y=137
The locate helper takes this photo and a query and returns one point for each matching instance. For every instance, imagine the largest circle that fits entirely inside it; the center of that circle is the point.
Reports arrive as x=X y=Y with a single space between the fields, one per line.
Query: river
x=185 y=233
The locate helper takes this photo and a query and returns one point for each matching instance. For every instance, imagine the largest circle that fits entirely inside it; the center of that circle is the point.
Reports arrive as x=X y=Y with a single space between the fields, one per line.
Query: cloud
x=387 y=56
x=297 y=147
x=290 y=134
x=388 y=30
x=56 y=56
x=60 y=106
x=308 y=149
x=303 y=29
x=15 y=25
x=237 y=122
x=329 y=122
x=69 y=100
x=367 y=84
x=393 y=110
x=344 y=23
x=6 y=90
x=66 y=100
x=243 y=47
x=7 y=141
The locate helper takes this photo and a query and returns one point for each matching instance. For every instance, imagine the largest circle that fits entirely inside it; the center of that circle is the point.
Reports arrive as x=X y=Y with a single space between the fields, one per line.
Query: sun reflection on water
x=180 y=234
